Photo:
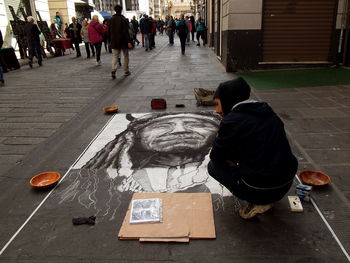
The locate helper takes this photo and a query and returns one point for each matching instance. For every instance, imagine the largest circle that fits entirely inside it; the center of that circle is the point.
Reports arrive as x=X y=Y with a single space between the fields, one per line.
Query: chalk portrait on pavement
x=166 y=152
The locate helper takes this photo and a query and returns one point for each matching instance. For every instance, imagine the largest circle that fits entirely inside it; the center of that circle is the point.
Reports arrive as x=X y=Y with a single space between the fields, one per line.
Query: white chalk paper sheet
x=146 y=211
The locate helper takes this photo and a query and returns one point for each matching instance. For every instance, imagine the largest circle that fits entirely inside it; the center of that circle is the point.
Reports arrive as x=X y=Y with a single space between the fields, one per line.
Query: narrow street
x=51 y=119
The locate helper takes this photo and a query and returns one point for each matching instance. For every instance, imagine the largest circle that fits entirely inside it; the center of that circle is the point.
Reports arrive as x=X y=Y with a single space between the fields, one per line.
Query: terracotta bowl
x=111 y=109
x=44 y=180
x=314 y=178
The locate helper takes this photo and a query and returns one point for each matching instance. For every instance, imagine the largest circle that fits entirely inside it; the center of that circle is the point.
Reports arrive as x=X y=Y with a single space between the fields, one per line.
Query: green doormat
x=282 y=79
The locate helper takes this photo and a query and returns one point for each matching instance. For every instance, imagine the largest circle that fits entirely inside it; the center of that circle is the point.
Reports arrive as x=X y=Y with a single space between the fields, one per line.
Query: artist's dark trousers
x=34 y=49
x=88 y=45
x=76 y=46
x=228 y=176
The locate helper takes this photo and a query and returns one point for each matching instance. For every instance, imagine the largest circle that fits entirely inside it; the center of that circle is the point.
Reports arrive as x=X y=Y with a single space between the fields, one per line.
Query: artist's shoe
x=40 y=63
x=198 y=45
x=251 y=210
x=30 y=63
x=98 y=63
x=113 y=74
x=127 y=73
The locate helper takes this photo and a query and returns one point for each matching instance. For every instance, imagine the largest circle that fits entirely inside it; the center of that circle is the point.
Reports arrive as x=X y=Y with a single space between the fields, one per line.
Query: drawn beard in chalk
x=166 y=152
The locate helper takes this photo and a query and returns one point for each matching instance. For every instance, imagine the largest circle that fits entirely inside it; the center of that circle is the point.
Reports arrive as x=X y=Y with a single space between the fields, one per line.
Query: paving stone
x=23 y=141
x=333 y=156
x=331 y=141
x=37 y=119
x=310 y=125
x=15 y=149
x=9 y=158
x=25 y=125
x=42 y=133
x=342 y=124
x=321 y=112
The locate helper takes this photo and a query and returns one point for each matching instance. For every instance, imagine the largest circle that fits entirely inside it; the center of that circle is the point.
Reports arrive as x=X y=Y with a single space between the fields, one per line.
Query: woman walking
x=96 y=32
x=85 y=37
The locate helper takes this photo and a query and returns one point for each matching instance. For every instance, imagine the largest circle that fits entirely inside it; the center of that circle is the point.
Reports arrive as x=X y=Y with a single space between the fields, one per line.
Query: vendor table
x=61 y=44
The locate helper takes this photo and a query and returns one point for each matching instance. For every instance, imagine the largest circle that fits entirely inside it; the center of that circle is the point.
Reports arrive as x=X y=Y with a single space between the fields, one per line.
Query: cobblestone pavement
x=35 y=103
x=48 y=115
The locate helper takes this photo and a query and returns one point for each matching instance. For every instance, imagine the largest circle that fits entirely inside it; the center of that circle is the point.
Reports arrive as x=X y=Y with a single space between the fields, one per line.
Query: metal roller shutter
x=298 y=30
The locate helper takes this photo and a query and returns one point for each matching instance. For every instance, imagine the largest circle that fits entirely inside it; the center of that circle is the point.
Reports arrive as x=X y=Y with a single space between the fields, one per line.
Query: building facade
x=273 y=33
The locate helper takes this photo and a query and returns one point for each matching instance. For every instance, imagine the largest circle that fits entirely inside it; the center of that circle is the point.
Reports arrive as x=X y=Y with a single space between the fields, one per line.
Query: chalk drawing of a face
x=177 y=134
x=166 y=152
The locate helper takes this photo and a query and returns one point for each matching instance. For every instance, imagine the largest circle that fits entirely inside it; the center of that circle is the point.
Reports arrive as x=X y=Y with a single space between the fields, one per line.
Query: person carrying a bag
x=96 y=32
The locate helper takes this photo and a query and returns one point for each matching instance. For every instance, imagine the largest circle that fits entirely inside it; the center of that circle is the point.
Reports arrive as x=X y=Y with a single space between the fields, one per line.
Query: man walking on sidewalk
x=182 y=29
x=75 y=33
x=32 y=33
x=119 y=39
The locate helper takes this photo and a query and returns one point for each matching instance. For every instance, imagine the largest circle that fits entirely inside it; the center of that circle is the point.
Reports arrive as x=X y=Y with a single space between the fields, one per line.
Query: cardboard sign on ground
x=181 y=214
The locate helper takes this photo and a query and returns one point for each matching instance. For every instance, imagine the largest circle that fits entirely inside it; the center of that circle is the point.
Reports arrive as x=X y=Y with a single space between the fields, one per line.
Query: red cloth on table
x=62 y=43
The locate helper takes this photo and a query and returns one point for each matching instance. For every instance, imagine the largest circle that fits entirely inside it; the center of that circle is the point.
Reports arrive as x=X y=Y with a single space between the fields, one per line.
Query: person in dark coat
x=182 y=30
x=119 y=39
x=75 y=33
x=147 y=31
x=251 y=155
x=32 y=33
x=1 y=62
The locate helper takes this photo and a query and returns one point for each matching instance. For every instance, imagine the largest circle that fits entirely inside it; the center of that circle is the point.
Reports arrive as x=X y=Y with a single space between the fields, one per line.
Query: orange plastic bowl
x=46 y=179
x=111 y=109
x=314 y=178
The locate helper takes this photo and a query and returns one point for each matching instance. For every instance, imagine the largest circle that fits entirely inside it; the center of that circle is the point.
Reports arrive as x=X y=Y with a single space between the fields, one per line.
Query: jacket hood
x=231 y=92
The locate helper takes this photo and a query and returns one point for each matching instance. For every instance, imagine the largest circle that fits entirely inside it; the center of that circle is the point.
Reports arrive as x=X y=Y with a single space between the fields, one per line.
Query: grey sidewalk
x=47 y=123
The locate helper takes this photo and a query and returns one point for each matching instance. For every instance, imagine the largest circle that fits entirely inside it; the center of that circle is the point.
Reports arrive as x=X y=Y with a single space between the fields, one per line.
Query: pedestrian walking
x=96 y=32
x=135 y=25
x=54 y=30
x=32 y=33
x=193 y=27
x=170 y=28
x=153 y=33
x=142 y=25
x=189 y=24
x=201 y=31
x=182 y=30
x=105 y=38
x=86 y=40
x=147 y=30
x=74 y=32
x=2 y=80
x=119 y=40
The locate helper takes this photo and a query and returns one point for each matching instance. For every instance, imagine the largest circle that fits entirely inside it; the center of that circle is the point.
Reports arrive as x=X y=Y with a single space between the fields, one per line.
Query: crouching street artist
x=251 y=155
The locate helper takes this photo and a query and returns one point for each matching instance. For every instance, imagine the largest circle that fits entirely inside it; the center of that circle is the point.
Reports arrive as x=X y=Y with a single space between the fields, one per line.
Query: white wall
x=3 y=18
x=242 y=15
x=144 y=6
x=43 y=7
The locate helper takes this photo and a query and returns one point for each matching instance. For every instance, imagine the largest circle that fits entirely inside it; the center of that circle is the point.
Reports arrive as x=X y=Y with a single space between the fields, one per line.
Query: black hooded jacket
x=253 y=137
